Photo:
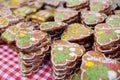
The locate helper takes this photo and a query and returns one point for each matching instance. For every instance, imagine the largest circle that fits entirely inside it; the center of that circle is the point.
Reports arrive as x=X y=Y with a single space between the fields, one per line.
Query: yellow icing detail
x=87 y=30
x=76 y=24
x=118 y=11
x=74 y=31
x=22 y=35
x=15 y=11
x=100 y=32
x=33 y=16
x=41 y=18
x=64 y=36
x=16 y=29
x=34 y=9
x=89 y=64
x=23 y=14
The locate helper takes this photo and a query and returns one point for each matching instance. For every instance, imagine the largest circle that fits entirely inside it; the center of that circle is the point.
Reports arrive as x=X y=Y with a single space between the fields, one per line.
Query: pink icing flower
x=35 y=34
x=110 y=65
x=108 y=31
x=94 y=3
x=104 y=5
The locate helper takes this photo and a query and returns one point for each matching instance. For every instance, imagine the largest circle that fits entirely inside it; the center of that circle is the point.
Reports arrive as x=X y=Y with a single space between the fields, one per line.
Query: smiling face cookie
x=76 y=31
x=106 y=34
x=96 y=66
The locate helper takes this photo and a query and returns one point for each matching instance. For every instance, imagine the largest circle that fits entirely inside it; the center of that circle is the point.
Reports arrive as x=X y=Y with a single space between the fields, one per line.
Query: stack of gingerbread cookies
x=80 y=38
x=64 y=58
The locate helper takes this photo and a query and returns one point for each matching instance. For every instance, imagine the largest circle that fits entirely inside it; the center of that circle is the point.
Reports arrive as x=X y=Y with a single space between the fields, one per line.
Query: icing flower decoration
x=76 y=31
x=89 y=64
x=110 y=65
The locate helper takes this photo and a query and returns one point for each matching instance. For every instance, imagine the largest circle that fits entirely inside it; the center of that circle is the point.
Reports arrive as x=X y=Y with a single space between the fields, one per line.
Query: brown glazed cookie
x=96 y=66
x=61 y=14
x=77 y=4
x=113 y=20
x=91 y=18
x=101 y=6
x=42 y=16
x=64 y=55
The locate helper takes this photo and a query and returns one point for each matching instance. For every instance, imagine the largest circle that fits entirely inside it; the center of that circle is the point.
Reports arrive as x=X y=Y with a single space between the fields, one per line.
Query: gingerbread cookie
x=24 y=10
x=42 y=16
x=55 y=29
x=61 y=14
x=64 y=57
x=113 y=20
x=96 y=66
x=92 y=18
x=101 y=6
x=77 y=4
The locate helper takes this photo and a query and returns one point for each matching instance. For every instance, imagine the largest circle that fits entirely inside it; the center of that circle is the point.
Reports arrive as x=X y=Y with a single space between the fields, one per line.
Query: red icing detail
x=104 y=5
x=110 y=65
x=35 y=34
x=94 y=3
x=108 y=31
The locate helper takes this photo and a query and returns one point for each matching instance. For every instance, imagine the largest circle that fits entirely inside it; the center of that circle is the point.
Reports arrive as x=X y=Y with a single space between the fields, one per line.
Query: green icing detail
x=61 y=56
x=25 y=39
x=47 y=24
x=25 y=55
x=59 y=15
x=96 y=72
x=92 y=18
x=24 y=67
x=73 y=2
x=76 y=76
x=97 y=6
x=114 y=21
x=105 y=36
x=8 y=36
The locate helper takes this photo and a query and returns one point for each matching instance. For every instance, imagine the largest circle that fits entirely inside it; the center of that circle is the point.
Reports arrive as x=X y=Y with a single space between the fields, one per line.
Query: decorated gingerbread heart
x=76 y=31
x=25 y=39
x=61 y=14
x=106 y=34
x=113 y=20
x=92 y=18
x=98 y=5
x=4 y=22
x=95 y=66
x=52 y=26
x=71 y=3
x=24 y=10
x=64 y=52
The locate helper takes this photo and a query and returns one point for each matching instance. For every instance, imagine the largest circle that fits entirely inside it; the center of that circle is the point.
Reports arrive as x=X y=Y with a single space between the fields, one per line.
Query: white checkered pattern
x=9 y=67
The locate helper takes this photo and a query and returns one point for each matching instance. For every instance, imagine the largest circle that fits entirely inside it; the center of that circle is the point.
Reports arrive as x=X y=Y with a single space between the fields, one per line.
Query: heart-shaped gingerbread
x=95 y=66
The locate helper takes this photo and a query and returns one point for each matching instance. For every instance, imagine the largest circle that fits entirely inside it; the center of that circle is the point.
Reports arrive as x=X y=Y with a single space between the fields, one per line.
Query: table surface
x=9 y=67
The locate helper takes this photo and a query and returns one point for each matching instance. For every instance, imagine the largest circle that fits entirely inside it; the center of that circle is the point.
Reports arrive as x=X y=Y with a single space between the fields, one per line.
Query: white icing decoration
x=60 y=48
x=117 y=31
x=72 y=49
x=98 y=15
x=112 y=75
x=72 y=54
x=32 y=39
x=111 y=19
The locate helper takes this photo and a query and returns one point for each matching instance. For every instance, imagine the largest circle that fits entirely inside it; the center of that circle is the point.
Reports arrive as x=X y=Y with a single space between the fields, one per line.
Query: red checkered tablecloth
x=9 y=67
